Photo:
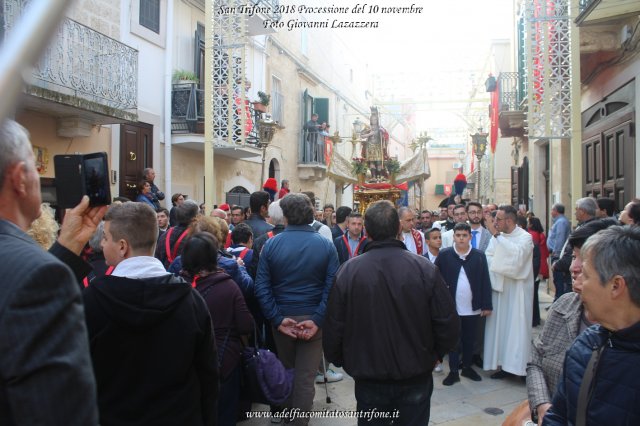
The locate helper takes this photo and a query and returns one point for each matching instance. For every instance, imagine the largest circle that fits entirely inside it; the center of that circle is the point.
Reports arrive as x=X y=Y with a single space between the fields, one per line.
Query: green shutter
x=321 y=107
x=439 y=189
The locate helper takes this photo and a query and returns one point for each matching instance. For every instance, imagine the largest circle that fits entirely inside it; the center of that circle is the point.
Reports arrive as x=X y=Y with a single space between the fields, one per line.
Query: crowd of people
x=135 y=314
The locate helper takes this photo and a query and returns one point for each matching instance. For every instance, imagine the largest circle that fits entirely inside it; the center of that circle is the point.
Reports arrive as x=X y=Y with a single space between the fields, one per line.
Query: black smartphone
x=78 y=175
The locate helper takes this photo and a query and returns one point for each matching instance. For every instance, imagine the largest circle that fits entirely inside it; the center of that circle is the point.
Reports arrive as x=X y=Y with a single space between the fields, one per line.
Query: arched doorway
x=274 y=169
x=238 y=195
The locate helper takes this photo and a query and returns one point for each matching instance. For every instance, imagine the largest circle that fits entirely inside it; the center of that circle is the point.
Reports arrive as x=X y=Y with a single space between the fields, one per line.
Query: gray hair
x=186 y=212
x=621 y=245
x=275 y=213
x=404 y=209
x=14 y=146
x=95 y=242
x=558 y=207
x=588 y=205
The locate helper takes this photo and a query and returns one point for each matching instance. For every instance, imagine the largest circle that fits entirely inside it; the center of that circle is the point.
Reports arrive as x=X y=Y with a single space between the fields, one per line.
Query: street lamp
x=355 y=134
x=479 y=140
x=266 y=130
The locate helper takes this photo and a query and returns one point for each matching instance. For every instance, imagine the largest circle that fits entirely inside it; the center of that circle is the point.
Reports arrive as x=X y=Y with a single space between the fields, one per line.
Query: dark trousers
x=229 y=398
x=562 y=283
x=536 y=304
x=411 y=403
x=468 y=328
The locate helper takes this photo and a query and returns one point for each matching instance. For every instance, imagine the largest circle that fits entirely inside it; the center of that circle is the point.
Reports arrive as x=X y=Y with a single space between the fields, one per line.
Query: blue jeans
x=410 y=403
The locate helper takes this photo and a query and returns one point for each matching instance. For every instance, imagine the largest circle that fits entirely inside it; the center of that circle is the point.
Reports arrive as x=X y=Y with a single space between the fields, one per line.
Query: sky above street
x=447 y=45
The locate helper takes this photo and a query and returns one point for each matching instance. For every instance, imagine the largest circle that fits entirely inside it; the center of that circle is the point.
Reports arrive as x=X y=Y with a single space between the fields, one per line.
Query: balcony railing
x=187 y=109
x=510 y=96
x=312 y=148
x=84 y=63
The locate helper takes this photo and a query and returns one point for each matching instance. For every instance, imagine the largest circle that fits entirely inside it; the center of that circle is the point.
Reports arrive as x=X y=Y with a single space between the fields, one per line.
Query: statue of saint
x=374 y=147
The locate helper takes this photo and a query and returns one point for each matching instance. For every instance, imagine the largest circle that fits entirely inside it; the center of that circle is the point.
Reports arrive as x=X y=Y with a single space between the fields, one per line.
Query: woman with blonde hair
x=44 y=230
x=234 y=267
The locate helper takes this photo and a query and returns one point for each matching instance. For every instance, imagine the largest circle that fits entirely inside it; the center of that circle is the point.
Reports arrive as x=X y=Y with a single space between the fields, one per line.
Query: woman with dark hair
x=144 y=194
x=540 y=241
x=631 y=213
x=229 y=315
x=176 y=200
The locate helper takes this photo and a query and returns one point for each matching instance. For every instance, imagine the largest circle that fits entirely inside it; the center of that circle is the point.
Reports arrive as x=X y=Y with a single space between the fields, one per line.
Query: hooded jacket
x=153 y=352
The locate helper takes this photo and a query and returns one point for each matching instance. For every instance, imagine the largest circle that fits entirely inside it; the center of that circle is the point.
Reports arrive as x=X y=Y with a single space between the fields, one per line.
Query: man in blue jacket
x=600 y=380
x=465 y=271
x=295 y=273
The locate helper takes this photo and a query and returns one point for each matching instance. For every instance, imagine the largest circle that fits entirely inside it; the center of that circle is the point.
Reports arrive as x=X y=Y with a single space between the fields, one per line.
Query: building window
x=277 y=100
x=148 y=20
x=150 y=15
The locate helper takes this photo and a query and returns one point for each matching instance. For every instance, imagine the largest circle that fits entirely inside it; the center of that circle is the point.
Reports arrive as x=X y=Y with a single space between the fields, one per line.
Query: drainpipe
x=168 y=65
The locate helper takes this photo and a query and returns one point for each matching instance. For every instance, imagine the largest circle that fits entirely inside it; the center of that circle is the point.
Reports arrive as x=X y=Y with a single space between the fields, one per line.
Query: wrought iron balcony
x=510 y=104
x=187 y=109
x=82 y=63
x=509 y=85
x=312 y=148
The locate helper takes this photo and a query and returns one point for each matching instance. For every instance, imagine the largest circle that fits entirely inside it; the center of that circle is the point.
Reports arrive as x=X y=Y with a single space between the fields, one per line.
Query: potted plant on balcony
x=359 y=168
x=181 y=76
x=263 y=103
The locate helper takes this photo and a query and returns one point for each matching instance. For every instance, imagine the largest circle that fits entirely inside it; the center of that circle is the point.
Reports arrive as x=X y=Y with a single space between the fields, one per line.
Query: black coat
x=153 y=351
x=389 y=315
x=477 y=271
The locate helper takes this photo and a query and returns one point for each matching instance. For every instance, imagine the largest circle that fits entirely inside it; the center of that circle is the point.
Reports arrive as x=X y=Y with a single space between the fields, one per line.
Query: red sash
x=346 y=242
x=243 y=253
x=417 y=238
x=171 y=254
x=85 y=280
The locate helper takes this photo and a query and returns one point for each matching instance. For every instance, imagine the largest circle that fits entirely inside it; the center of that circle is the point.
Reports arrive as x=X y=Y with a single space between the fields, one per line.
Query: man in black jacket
x=389 y=318
x=150 y=333
x=259 y=202
x=351 y=243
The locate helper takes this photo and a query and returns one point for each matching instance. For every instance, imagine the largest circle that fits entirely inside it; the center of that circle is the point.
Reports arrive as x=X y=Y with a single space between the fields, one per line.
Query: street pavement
x=466 y=403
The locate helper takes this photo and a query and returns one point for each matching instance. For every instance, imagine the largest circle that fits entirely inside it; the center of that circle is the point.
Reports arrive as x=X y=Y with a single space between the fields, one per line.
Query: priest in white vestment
x=507 y=339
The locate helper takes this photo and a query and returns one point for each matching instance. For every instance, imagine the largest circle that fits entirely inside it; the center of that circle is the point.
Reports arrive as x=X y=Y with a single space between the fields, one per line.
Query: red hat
x=224 y=207
x=271 y=184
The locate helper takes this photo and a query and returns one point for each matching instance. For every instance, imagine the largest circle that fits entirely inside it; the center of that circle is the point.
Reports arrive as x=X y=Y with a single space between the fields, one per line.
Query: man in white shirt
x=412 y=238
x=459 y=216
x=466 y=273
x=508 y=333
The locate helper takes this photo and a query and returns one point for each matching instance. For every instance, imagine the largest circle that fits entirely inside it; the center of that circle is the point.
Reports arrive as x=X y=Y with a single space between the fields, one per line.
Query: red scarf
x=346 y=243
x=417 y=238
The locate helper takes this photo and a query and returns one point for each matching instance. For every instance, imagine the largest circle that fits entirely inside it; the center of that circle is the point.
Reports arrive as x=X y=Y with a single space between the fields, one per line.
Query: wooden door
x=136 y=153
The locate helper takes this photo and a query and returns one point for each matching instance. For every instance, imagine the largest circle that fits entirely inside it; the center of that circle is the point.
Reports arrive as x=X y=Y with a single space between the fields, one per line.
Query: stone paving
x=464 y=403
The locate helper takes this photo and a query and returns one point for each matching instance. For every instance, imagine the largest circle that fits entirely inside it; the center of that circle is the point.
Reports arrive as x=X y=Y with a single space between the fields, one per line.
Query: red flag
x=495 y=112
x=328 y=150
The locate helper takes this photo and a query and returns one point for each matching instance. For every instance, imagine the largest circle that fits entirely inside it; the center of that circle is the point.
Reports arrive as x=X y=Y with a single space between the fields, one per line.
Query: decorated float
x=374 y=174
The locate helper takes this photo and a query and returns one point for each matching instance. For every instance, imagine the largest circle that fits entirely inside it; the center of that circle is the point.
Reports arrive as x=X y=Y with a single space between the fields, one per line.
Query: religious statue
x=374 y=147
